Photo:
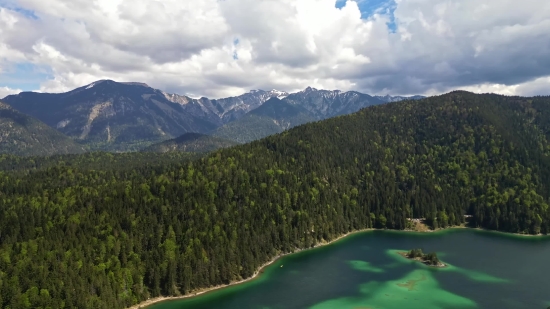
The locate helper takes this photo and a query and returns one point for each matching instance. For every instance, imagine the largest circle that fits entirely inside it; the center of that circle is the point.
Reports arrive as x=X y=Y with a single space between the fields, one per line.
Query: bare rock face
x=274 y=116
x=323 y=104
x=112 y=116
x=225 y=110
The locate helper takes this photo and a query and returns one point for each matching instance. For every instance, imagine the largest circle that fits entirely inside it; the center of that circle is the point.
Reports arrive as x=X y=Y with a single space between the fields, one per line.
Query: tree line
x=111 y=230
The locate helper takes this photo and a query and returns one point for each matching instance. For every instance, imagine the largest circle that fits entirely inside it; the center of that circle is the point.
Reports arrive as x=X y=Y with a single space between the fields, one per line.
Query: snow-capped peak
x=90 y=86
x=279 y=94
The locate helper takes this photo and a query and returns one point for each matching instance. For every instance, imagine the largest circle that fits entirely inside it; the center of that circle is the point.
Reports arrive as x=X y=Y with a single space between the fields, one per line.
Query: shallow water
x=363 y=271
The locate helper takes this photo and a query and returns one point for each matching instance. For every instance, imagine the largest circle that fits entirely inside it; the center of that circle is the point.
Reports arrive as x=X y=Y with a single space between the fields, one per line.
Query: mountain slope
x=23 y=135
x=191 y=142
x=274 y=116
x=323 y=104
x=175 y=228
x=225 y=110
x=389 y=98
x=111 y=116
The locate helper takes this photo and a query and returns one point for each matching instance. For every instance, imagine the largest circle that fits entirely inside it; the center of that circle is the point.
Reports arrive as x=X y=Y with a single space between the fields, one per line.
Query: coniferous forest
x=108 y=231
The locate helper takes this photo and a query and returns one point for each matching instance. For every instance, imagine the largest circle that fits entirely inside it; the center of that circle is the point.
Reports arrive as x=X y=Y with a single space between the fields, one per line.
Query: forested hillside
x=23 y=135
x=191 y=142
x=109 y=236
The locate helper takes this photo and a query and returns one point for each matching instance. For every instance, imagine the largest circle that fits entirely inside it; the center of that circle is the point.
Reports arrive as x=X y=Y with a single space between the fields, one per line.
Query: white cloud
x=6 y=91
x=188 y=46
x=539 y=86
x=493 y=88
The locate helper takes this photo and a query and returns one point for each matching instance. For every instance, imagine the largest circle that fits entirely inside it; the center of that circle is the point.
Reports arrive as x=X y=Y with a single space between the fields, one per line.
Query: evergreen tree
x=110 y=230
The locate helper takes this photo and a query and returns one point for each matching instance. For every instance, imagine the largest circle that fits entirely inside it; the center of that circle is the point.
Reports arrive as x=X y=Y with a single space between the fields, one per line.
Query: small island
x=429 y=259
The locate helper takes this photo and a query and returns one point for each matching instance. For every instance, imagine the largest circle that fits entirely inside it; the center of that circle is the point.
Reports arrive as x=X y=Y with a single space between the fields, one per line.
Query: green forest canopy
x=108 y=231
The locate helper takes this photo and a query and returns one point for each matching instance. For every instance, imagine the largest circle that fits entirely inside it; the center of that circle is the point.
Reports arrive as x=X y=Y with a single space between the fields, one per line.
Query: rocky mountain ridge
x=274 y=116
x=113 y=116
x=221 y=111
x=108 y=115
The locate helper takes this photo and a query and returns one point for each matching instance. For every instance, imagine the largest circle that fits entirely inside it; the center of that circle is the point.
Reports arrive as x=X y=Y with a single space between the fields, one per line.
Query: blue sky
x=369 y=7
x=24 y=76
x=27 y=13
x=11 y=5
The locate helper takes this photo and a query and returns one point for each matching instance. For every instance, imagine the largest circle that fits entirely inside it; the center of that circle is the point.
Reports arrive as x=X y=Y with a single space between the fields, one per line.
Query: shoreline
x=260 y=270
x=256 y=274
x=463 y=227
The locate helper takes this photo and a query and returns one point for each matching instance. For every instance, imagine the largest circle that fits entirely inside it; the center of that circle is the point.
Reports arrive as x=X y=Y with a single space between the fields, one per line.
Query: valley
x=319 y=154
x=124 y=228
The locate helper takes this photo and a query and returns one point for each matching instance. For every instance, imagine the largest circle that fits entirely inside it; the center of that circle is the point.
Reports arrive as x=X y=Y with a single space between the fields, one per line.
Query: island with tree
x=429 y=259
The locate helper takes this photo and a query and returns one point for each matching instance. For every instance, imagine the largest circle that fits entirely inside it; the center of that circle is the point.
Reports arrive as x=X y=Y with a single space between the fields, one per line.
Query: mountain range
x=111 y=116
x=274 y=116
x=116 y=234
x=114 y=116
x=323 y=104
x=225 y=110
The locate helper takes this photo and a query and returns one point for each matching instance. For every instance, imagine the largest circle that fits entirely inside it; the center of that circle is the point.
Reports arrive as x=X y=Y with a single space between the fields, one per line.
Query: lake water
x=363 y=271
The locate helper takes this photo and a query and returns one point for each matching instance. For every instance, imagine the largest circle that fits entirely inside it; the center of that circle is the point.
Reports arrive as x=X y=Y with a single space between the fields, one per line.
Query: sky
x=220 y=48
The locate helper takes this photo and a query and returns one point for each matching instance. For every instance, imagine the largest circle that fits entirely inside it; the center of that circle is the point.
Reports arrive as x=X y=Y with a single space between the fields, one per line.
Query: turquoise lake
x=363 y=271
